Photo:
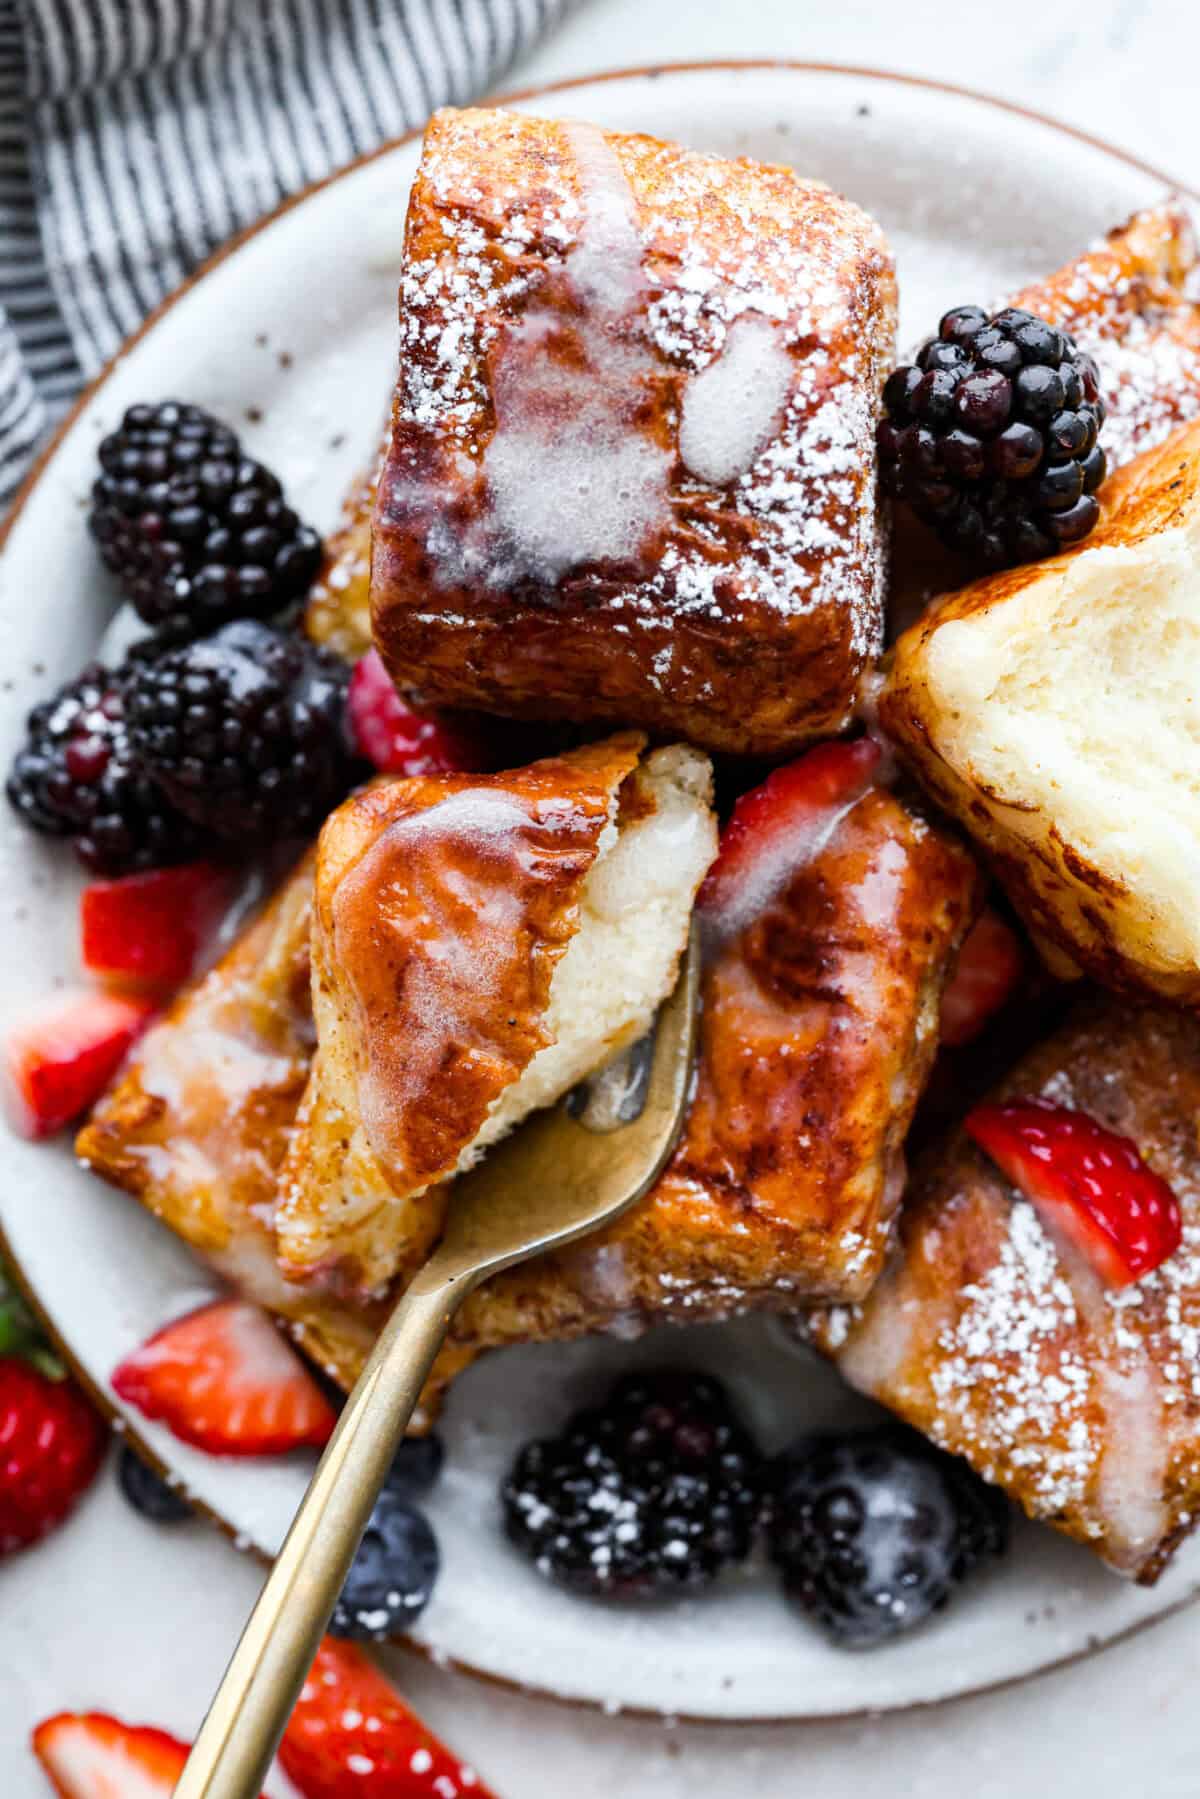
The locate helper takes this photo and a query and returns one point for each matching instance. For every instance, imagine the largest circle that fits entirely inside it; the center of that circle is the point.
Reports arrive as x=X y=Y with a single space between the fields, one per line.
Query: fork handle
x=262 y=1682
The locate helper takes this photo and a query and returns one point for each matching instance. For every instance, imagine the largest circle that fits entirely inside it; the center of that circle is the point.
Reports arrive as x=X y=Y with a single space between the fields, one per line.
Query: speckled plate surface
x=292 y=336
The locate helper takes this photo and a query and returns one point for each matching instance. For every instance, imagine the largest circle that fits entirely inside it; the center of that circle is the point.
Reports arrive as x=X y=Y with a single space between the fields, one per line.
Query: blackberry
x=991 y=436
x=656 y=1491
x=392 y=1576
x=244 y=731
x=874 y=1530
x=148 y=1493
x=195 y=531
x=75 y=776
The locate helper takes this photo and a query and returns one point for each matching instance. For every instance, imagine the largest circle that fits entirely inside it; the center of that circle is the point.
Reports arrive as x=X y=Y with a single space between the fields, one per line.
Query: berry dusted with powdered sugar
x=393 y=1573
x=195 y=531
x=75 y=776
x=148 y=1493
x=657 y=1491
x=991 y=436
x=874 y=1531
x=245 y=731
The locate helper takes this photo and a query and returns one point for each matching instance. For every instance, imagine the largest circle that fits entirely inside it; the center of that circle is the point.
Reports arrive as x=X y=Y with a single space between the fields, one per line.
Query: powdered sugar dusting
x=1133 y=303
x=615 y=272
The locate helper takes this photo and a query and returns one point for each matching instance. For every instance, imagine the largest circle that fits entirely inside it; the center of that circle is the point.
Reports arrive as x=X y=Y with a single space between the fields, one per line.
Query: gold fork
x=564 y=1173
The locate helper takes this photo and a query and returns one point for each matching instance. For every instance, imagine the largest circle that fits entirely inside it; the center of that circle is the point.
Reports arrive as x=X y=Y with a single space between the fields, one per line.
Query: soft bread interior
x=347 y=1211
x=634 y=915
x=1072 y=705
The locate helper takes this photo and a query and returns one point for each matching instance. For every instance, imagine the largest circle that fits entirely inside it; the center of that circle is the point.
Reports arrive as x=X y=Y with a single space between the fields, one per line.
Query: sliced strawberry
x=149 y=930
x=777 y=827
x=61 y=1060
x=990 y=964
x=397 y=738
x=89 y=1755
x=351 y=1736
x=51 y=1444
x=1088 y=1182
x=224 y=1379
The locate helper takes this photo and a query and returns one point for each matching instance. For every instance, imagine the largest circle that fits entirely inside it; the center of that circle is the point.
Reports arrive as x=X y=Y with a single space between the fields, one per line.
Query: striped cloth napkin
x=136 y=135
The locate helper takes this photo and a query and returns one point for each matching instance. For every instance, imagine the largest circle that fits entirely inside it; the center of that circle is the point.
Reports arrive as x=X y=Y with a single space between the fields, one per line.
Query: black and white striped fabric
x=136 y=135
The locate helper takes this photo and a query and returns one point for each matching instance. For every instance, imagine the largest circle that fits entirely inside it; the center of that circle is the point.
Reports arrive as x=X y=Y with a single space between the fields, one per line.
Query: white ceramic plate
x=292 y=336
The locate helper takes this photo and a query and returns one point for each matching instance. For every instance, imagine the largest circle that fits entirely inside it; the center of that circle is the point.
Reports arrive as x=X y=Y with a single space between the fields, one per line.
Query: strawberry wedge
x=89 y=1755
x=150 y=930
x=1090 y=1185
x=60 y=1061
x=990 y=964
x=351 y=1736
x=223 y=1379
x=777 y=827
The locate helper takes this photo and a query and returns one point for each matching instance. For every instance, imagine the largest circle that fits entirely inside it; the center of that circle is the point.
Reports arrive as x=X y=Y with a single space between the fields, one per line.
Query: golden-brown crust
x=338 y=610
x=198 y=1124
x=1083 y=1404
x=443 y=904
x=1133 y=302
x=787 y=1174
x=748 y=614
x=1091 y=914
x=818 y=1027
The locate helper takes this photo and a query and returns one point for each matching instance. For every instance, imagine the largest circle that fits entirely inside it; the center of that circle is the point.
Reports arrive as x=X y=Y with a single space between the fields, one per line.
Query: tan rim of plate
x=40 y=467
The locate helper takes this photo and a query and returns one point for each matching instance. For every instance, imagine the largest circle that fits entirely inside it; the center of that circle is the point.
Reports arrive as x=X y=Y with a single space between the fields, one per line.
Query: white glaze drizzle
x=733 y=407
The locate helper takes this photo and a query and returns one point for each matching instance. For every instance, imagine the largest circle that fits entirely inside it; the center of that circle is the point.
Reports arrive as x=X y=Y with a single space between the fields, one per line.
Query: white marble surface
x=74 y=1612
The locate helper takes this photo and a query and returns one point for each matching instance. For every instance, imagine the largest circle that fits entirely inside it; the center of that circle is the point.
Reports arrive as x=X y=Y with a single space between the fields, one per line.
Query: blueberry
x=417 y=1465
x=393 y=1573
x=147 y=1491
x=874 y=1531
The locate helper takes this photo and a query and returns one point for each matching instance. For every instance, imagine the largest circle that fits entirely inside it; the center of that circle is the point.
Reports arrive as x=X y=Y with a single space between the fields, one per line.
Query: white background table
x=116 y=1615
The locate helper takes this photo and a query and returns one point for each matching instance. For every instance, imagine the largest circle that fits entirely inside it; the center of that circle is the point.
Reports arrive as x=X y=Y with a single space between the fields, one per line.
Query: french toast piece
x=198 y=1124
x=818 y=1026
x=632 y=470
x=1051 y=708
x=1082 y=1402
x=480 y=943
x=1133 y=302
